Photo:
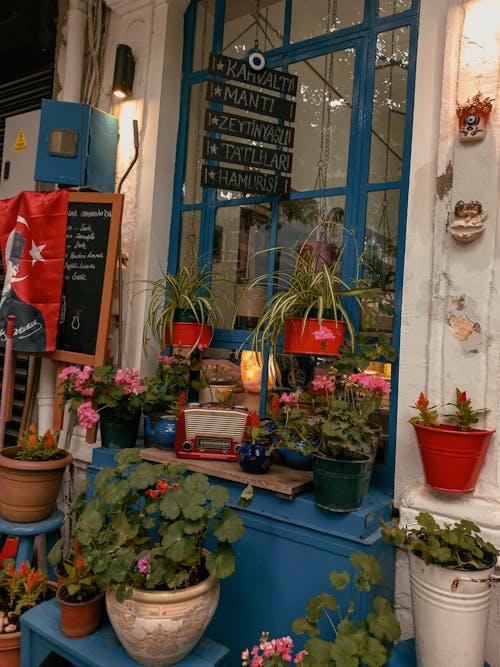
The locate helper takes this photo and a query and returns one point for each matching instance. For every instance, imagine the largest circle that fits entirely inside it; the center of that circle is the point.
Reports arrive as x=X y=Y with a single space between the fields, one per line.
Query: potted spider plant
x=308 y=306
x=182 y=311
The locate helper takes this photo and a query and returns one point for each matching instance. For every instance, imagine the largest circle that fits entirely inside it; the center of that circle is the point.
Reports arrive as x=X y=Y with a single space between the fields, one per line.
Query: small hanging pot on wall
x=473 y=117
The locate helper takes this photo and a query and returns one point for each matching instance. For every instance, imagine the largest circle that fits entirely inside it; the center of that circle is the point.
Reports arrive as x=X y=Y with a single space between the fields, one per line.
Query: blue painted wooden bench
x=26 y=534
x=41 y=634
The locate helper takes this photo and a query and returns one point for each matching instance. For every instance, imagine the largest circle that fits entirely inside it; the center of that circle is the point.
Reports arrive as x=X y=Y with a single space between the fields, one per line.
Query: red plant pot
x=190 y=334
x=300 y=338
x=452 y=459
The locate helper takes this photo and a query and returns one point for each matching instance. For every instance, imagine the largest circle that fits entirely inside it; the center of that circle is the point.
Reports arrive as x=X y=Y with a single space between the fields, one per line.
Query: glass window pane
x=203 y=33
x=190 y=237
x=240 y=233
x=242 y=26
x=379 y=257
x=323 y=119
x=389 y=105
x=310 y=19
x=389 y=7
x=192 y=191
x=299 y=223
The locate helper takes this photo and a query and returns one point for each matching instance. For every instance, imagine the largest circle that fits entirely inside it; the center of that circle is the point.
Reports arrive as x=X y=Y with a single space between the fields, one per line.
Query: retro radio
x=210 y=432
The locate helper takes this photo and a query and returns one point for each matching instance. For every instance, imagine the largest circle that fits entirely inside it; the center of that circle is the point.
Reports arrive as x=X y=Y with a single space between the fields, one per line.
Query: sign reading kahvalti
x=263 y=165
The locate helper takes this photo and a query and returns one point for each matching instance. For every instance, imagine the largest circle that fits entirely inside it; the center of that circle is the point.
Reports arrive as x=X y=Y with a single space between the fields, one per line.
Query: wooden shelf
x=285 y=482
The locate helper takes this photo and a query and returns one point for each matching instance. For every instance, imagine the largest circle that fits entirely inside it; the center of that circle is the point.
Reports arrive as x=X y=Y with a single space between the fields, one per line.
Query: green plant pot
x=340 y=485
x=118 y=433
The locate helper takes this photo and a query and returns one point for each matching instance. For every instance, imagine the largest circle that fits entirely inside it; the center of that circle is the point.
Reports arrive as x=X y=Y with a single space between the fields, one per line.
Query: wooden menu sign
x=92 y=236
x=265 y=166
x=251 y=100
x=254 y=156
x=244 y=181
x=238 y=70
x=249 y=128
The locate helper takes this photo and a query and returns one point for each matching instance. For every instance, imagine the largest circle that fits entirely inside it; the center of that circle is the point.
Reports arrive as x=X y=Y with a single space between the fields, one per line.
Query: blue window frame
x=374 y=46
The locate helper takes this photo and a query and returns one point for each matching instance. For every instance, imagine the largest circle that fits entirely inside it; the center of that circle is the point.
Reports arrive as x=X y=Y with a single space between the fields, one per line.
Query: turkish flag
x=33 y=246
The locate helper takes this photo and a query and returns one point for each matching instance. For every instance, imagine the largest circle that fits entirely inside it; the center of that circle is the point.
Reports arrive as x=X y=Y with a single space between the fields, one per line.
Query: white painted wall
x=459 y=53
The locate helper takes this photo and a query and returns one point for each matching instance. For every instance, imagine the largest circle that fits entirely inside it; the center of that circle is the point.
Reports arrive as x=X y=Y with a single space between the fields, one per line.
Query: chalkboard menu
x=91 y=250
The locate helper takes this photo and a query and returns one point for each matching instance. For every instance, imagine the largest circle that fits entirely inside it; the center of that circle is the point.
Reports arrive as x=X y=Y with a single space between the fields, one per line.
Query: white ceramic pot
x=450 y=614
x=160 y=628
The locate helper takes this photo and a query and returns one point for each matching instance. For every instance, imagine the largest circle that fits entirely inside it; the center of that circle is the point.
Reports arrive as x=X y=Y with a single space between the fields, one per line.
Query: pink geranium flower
x=323 y=333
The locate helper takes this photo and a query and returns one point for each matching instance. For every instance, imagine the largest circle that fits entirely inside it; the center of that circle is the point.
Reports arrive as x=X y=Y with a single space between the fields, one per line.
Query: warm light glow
x=479 y=47
x=119 y=93
x=251 y=372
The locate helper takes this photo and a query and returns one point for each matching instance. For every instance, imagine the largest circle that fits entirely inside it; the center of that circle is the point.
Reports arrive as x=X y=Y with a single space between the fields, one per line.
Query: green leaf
x=374 y=654
x=382 y=622
x=339 y=580
x=222 y=562
x=229 y=527
x=246 y=497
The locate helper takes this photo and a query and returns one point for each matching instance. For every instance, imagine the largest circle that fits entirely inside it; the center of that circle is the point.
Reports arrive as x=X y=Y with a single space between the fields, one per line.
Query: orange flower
x=275 y=404
x=33 y=578
x=32 y=429
x=49 y=438
x=24 y=568
x=11 y=570
x=32 y=440
x=79 y=563
x=462 y=397
x=422 y=401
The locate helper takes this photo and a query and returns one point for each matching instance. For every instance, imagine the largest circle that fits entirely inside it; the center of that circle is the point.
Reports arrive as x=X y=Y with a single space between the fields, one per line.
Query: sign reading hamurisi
x=265 y=165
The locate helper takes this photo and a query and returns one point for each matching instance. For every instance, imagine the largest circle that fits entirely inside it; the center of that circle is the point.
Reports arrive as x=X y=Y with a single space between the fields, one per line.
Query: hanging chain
x=326 y=125
x=192 y=245
x=257 y=19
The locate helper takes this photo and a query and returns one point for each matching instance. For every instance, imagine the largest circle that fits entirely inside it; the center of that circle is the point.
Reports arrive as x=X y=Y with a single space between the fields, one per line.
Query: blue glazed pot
x=254 y=458
x=295 y=459
x=162 y=434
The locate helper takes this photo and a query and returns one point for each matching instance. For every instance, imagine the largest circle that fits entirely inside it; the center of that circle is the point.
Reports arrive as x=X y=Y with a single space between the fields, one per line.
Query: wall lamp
x=123 y=78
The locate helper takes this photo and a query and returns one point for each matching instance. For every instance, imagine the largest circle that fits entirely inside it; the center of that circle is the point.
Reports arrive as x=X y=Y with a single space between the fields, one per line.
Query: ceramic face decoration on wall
x=473 y=118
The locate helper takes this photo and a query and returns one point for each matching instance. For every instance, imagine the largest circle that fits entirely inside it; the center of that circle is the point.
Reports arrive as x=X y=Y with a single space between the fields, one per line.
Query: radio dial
x=187 y=446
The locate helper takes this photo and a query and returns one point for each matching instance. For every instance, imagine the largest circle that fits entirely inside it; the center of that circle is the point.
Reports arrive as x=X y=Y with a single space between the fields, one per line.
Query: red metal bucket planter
x=300 y=339
x=452 y=459
x=190 y=334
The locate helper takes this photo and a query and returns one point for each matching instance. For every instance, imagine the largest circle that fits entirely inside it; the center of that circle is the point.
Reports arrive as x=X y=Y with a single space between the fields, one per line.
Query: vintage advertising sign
x=244 y=181
x=238 y=70
x=254 y=156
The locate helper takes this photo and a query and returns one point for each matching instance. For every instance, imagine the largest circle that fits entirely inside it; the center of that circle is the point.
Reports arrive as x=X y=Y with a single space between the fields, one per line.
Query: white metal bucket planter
x=450 y=614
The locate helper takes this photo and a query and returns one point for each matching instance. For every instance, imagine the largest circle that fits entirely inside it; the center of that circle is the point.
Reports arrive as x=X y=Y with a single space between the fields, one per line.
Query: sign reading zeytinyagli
x=249 y=128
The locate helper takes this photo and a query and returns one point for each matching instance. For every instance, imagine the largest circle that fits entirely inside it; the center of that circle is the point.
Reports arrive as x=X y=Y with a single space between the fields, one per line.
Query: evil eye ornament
x=256 y=59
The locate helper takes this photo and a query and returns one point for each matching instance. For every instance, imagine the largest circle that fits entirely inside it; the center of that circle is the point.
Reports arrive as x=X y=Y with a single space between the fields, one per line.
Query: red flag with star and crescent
x=33 y=246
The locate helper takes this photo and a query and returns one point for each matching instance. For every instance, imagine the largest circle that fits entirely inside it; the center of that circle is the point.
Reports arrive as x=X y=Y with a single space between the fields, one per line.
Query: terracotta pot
x=79 y=619
x=10 y=649
x=300 y=339
x=29 y=488
x=189 y=334
x=160 y=628
x=452 y=459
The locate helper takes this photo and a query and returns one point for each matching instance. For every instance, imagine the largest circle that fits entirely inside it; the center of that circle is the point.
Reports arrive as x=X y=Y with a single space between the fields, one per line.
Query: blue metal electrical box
x=77 y=146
